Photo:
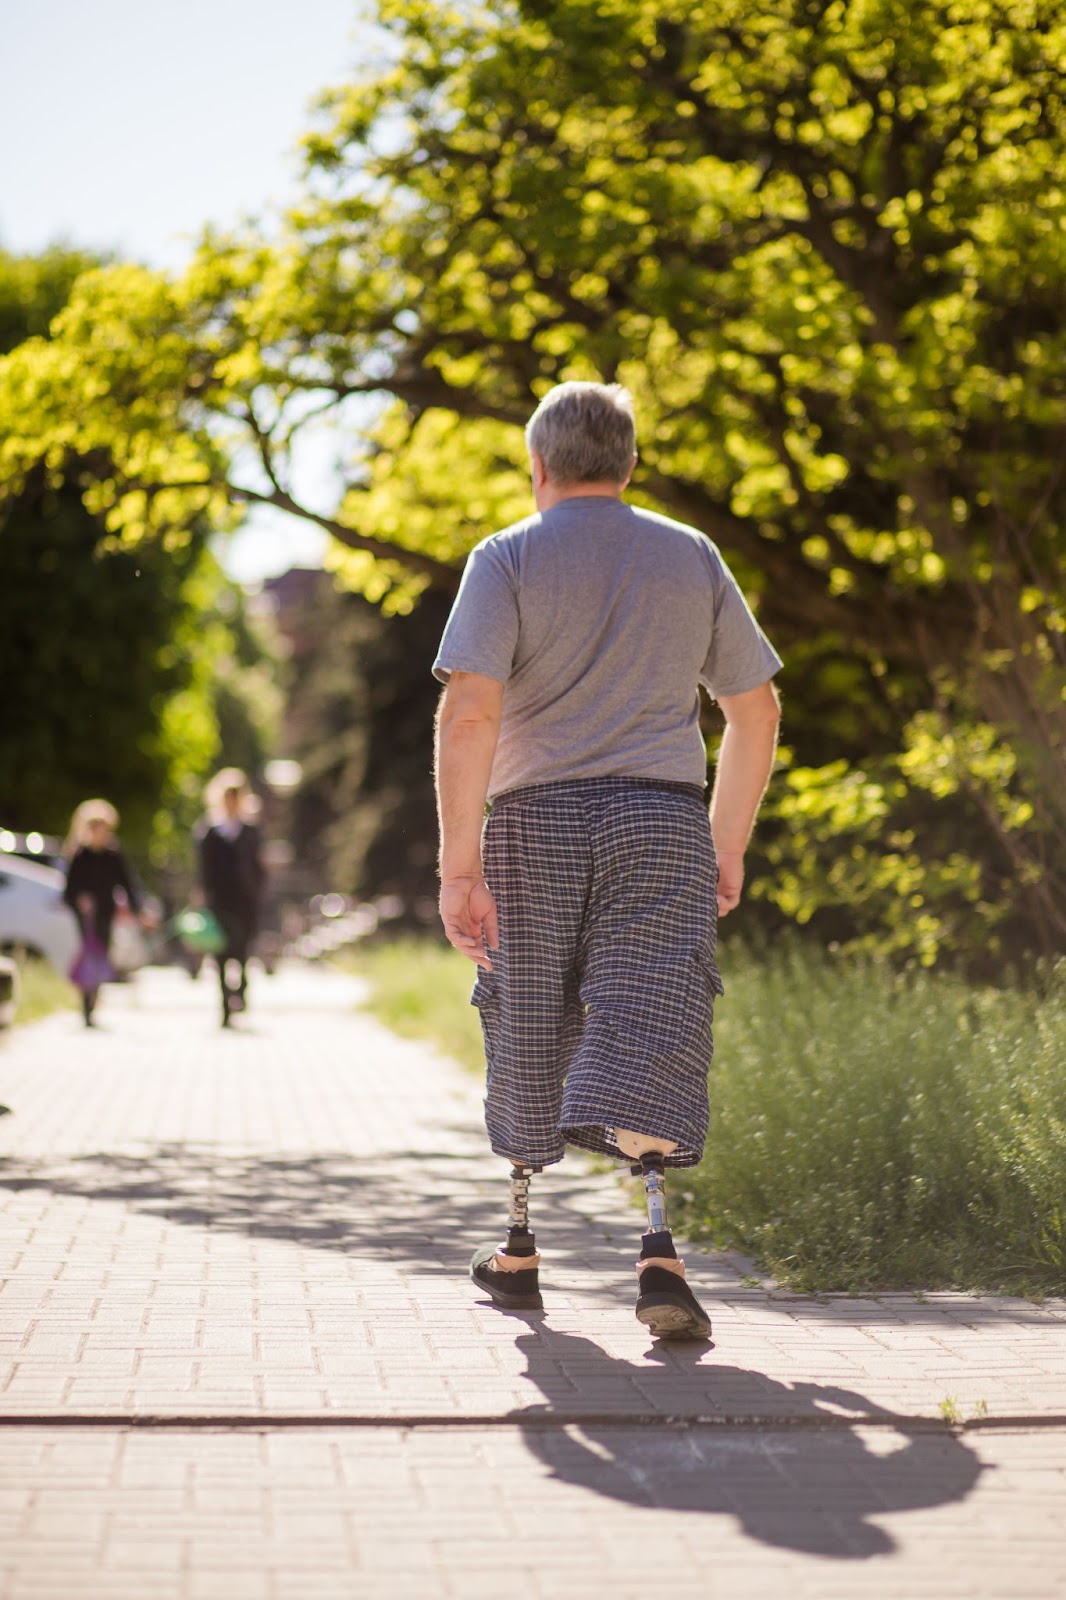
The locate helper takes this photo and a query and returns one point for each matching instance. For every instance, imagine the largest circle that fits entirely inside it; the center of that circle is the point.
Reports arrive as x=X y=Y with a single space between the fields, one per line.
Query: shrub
x=869 y=1129
x=877 y=1129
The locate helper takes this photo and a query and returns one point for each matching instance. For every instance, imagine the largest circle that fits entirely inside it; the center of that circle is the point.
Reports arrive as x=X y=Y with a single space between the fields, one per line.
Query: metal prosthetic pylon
x=521 y=1241
x=658 y=1240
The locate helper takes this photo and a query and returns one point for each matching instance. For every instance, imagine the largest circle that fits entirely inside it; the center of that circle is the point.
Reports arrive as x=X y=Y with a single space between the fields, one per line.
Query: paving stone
x=278 y=1221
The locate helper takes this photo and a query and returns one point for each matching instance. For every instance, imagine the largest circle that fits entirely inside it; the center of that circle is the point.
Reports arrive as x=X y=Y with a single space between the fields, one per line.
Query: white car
x=32 y=912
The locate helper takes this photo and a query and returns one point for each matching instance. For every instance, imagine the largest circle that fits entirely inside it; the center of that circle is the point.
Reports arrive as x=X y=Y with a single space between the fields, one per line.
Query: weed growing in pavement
x=869 y=1129
x=949 y=1409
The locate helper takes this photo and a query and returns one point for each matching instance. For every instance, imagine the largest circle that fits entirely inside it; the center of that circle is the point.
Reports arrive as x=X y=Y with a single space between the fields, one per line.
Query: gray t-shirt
x=600 y=620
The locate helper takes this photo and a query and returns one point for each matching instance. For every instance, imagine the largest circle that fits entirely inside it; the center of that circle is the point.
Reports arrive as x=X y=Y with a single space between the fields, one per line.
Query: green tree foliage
x=122 y=667
x=34 y=288
x=84 y=676
x=824 y=245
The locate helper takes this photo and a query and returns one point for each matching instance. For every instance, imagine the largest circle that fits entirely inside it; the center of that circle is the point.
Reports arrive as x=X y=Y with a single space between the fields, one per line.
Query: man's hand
x=468 y=725
x=730 y=880
x=468 y=913
x=745 y=758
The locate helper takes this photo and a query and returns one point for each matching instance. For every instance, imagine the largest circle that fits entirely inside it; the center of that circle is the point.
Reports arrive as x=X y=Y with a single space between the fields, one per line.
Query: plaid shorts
x=597 y=1013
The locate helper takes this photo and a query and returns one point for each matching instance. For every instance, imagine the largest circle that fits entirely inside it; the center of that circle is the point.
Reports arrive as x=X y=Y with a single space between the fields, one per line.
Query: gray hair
x=585 y=433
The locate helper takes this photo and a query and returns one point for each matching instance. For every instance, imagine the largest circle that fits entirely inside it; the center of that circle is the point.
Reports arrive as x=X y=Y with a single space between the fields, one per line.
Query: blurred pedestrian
x=231 y=873
x=97 y=872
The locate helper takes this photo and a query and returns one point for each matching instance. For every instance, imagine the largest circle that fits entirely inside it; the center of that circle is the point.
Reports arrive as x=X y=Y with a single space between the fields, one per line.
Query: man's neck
x=549 y=494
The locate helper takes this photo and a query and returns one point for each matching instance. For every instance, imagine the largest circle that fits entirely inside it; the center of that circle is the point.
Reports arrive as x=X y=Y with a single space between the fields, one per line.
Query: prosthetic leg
x=665 y=1303
x=509 y=1272
x=521 y=1241
x=658 y=1242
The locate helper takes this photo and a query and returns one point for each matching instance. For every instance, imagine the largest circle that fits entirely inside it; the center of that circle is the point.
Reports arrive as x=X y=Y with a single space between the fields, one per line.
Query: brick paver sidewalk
x=240 y=1357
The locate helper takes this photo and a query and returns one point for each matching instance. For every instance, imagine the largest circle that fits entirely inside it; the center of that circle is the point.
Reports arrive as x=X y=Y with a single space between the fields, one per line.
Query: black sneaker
x=667 y=1306
x=514 y=1291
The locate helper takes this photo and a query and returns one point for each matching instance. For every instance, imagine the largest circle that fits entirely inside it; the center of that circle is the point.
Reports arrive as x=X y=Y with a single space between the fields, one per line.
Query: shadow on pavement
x=806 y=1490
x=377 y=1207
x=423 y=1206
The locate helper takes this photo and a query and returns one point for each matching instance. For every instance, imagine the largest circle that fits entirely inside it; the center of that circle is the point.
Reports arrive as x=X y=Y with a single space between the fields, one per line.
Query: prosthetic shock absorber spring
x=520 y=1239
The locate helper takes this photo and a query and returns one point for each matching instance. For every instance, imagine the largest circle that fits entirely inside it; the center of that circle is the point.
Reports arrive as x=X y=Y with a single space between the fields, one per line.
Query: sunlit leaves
x=825 y=247
x=438 y=486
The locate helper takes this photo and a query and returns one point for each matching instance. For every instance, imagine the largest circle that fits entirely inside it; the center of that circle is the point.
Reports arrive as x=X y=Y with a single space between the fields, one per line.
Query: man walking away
x=589 y=900
x=231 y=875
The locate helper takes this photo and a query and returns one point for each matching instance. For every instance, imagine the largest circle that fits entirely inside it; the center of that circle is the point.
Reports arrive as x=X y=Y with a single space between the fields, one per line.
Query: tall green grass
x=420 y=988
x=869 y=1129
x=42 y=990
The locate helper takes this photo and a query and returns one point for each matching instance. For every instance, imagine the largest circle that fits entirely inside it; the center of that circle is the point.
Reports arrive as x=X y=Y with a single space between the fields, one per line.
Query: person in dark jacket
x=96 y=874
x=231 y=873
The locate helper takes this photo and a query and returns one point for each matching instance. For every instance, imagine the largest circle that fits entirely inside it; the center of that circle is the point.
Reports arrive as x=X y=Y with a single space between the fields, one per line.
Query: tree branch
x=263 y=444
x=440 y=573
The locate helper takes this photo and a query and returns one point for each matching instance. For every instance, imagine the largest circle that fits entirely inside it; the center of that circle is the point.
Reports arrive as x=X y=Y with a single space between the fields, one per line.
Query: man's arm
x=253 y=839
x=208 y=875
x=75 y=883
x=468 y=726
x=745 y=761
x=124 y=880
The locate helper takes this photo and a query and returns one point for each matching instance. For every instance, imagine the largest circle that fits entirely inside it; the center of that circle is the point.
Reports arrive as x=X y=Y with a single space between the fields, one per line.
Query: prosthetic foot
x=665 y=1303
x=509 y=1272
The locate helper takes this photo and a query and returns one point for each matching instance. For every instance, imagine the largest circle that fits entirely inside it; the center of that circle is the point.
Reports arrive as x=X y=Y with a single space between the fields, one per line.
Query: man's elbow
x=467 y=704
x=757 y=712
x=467 y=722
x=468 y=716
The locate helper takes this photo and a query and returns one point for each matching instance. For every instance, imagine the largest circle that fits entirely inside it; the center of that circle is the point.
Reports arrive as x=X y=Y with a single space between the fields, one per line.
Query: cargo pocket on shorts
x=485 y=997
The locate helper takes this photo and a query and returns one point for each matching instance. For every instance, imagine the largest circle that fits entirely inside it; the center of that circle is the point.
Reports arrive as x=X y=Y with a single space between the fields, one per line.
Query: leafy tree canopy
x=123 y=666
x=824 y=245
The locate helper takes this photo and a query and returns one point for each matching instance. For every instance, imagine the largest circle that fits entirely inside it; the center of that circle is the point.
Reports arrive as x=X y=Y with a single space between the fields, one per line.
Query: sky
x=127 y=125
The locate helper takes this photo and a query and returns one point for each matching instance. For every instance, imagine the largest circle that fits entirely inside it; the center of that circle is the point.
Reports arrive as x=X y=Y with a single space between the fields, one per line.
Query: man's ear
x=629 y=474
x=538 y=470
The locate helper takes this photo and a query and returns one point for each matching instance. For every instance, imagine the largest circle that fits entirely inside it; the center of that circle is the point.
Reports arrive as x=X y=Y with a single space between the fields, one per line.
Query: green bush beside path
x=869 y=1129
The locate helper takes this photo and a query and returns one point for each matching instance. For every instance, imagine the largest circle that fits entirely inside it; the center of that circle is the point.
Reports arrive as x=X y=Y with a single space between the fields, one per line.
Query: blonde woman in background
x=96 y=871
x=231 y=874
